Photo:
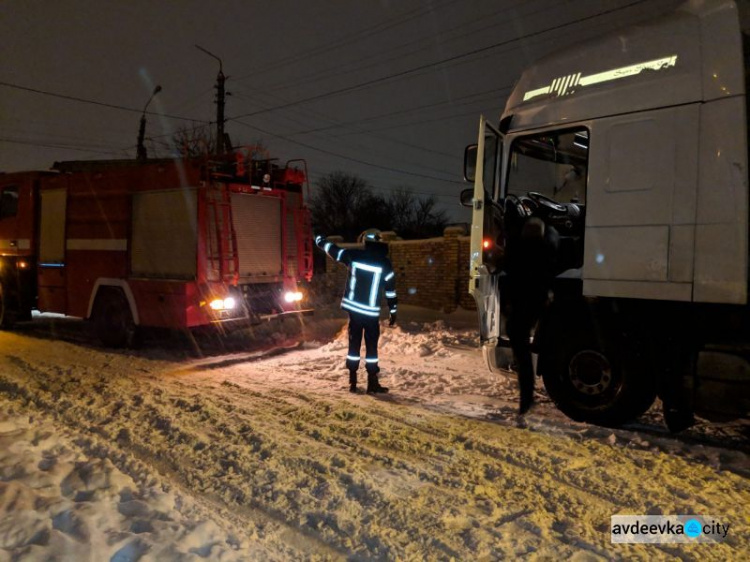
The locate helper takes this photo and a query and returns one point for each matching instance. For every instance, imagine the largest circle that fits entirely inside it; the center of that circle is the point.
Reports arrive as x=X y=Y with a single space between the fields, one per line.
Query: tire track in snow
x=363 y=476
x=82 y=417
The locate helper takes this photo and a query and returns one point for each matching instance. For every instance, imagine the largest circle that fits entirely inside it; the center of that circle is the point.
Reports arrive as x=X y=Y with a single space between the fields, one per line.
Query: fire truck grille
x=263 y=298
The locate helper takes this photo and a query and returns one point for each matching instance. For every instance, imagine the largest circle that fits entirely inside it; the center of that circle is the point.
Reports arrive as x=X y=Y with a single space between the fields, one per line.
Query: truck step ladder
x=222 y=247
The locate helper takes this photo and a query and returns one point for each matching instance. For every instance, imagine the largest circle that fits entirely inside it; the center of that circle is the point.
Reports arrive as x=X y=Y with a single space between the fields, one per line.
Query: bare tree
x=195 y=141
x=429 y=221
x=415 y=217
x=343 y=204
x=400 y=206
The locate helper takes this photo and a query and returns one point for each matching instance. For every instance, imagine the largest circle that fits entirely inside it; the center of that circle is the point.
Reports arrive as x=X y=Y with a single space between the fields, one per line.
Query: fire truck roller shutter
x=165 y=235
x=257 y=223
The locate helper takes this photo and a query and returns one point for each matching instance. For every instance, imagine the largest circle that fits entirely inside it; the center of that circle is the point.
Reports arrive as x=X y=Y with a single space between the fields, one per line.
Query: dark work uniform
x=370 y=271
x=529 y=263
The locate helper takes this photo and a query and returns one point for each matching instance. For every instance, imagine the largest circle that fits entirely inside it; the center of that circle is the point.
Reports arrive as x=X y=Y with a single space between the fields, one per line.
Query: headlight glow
x=293 y=296
x=223 y=304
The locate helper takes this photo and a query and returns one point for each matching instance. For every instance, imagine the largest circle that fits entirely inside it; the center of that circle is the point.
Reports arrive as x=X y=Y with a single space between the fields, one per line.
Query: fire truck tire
x=598 y=379
x=113 y=320
x=8 y=316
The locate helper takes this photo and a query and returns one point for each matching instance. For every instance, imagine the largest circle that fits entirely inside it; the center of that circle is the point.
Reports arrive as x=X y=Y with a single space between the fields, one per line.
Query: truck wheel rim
x=590 y=372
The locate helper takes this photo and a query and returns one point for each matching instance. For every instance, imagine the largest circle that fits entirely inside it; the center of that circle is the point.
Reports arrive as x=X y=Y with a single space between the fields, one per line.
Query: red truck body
x=161 y=243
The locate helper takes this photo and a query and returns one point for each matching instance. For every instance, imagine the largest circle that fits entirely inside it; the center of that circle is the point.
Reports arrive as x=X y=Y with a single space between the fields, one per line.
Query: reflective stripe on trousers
x=370 y=326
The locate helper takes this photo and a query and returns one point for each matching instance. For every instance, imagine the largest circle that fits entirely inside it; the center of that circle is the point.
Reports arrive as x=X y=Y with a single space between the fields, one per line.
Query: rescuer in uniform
x=369 y=270
x=529 y=262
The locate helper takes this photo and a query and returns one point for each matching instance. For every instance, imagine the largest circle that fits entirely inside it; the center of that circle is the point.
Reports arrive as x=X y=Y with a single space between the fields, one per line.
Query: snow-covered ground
x=253 y=452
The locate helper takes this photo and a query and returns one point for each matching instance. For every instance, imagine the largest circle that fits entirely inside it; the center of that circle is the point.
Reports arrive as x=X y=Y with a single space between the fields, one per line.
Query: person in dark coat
x=370 y=270
x=530 y=259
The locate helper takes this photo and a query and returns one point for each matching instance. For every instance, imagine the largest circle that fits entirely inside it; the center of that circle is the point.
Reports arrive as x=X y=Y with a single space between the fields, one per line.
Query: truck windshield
x=554 y=164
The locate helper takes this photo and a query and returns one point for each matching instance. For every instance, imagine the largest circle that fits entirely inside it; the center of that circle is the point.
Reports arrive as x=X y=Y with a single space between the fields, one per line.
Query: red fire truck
x=157 y=243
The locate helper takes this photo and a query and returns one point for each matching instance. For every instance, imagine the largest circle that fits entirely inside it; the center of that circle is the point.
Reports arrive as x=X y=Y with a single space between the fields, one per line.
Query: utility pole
x=220 y=95
x=141 y=147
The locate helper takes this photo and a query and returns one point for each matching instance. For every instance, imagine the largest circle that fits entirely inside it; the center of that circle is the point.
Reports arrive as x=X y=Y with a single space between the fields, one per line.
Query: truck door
x=52 y=251
x=484 y=276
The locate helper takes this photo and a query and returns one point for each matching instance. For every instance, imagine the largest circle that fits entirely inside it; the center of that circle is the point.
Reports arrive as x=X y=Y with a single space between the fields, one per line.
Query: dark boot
x=353 y=381
x=373 y=386
x=527 y=401
x=526 y=385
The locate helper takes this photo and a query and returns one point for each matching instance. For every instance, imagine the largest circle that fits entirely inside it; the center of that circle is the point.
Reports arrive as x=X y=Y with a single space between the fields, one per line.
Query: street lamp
x=141 y=150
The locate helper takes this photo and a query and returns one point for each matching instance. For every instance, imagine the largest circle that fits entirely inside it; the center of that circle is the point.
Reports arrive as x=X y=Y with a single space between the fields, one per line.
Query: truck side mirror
x=470 y=163
x=467 y=197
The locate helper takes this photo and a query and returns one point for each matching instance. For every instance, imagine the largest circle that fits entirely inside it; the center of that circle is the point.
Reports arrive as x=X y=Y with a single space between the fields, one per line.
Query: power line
x=348 y=39
x=410 y=123
x=408 y=110
x=338 y=155
x=433 y=64
x=77 y=148
x=357 y=66
x=442 y=155
x=94 y=102
x=337 y=124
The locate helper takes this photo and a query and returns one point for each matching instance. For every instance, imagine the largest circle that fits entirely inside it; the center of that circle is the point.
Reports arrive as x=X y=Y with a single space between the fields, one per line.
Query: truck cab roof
x=657 y=63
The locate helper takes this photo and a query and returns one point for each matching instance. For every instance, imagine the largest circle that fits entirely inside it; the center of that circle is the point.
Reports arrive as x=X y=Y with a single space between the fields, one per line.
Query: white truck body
x=643 y=132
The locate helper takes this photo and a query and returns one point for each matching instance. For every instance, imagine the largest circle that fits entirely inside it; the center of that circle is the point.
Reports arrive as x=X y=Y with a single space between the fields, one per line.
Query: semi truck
x=634 y=147
x=169 y=243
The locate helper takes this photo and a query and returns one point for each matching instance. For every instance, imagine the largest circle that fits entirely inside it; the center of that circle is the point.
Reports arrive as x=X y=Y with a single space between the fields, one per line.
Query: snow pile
x=56 y=500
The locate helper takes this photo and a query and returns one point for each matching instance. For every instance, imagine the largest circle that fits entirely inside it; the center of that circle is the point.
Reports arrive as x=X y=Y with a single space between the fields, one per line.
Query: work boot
x=527 y=401
x=526 y=386
x=353 y=381
x=373 y=386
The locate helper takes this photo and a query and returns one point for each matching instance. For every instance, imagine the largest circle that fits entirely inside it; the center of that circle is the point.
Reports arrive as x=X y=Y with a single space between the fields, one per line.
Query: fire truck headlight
x=293 y=296
x=223 y=304
x=23 y=264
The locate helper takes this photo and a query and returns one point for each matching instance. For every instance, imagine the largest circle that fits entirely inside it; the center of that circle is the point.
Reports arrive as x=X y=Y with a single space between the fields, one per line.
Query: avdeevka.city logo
x=693 y=528
x=667 y=529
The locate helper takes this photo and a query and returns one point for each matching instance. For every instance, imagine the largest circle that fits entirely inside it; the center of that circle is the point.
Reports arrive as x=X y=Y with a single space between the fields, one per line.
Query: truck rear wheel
x=597 y=379
x=113 y=320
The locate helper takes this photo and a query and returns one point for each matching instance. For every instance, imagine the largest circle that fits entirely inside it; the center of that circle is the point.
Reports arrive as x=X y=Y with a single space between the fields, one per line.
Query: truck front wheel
x=597 y=378
x=112 y=319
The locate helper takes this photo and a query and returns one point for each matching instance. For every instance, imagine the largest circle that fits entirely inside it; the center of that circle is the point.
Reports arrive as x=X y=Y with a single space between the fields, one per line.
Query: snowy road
x=153 y=455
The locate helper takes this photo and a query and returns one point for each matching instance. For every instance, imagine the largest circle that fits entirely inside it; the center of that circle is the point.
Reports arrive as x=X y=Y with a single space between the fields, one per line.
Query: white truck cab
x=634 y=147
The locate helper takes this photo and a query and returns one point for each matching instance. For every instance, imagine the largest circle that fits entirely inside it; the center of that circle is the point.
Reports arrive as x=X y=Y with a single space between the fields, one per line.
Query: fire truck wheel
x=8 y=316
x=113 y=320
x=598 y=379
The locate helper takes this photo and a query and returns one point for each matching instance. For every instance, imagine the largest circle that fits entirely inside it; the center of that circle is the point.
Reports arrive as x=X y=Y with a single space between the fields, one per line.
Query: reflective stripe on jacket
x=370 y=272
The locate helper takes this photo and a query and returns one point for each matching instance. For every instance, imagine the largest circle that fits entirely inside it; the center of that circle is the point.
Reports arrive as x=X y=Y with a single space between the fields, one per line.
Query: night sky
x=389 y=90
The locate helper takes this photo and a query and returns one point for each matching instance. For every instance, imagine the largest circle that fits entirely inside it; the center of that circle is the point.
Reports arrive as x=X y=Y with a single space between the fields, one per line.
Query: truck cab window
x=554 y=164
x=8 y=202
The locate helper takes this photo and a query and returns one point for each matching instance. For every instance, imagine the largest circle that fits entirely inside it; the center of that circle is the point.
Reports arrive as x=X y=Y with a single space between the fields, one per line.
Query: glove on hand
x=392 y=320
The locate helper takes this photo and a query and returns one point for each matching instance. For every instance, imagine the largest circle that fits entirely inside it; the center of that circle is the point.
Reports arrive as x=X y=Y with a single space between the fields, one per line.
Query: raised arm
x=333 y=251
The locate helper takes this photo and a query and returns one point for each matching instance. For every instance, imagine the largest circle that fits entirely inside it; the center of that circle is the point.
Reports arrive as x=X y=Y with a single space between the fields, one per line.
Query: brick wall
x=431 y=273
